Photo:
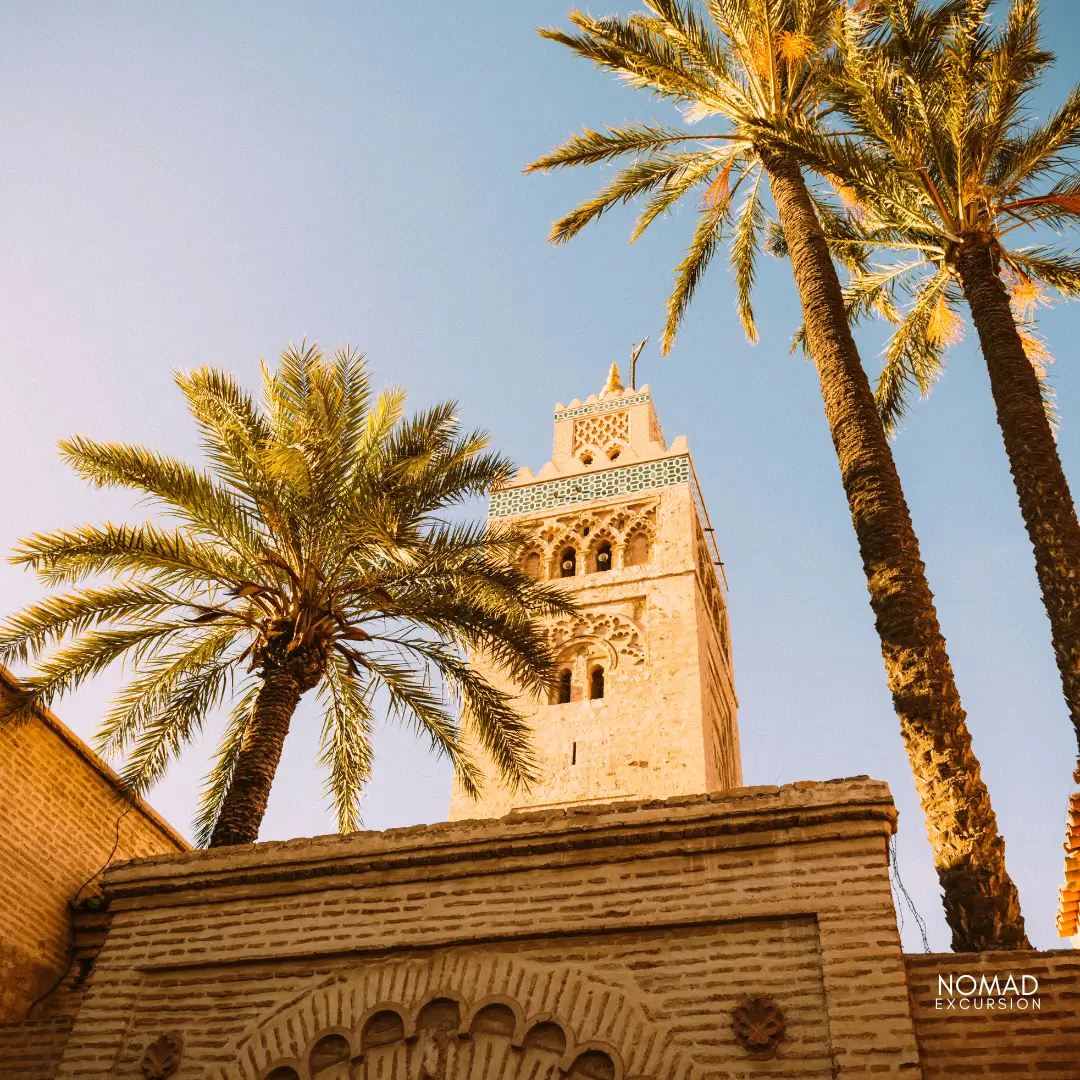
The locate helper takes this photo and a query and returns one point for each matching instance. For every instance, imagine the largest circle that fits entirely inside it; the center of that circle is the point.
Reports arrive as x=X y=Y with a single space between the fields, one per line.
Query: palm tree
x=755 y=71
x=313 y=553
x=948 y=169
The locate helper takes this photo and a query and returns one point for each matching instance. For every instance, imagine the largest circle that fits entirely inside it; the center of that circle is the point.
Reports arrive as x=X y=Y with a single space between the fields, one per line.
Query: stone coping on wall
x=745 y=818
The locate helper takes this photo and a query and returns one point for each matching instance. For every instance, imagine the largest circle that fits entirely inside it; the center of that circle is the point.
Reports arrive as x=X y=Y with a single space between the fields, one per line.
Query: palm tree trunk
x=244 y=804
x=981 y=902
x=1041 y=487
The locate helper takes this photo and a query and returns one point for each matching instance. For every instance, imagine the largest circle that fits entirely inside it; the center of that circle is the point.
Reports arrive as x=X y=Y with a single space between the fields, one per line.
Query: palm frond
x=176 y=486
x=155 y=696
x=168 y=724
x=745 y=246
x=346 y=753
x=915 y=351
x=591 y=147
x=706 y=239
x=631 y=182
x=50 y=620
x=90 y=654
x=166 y=558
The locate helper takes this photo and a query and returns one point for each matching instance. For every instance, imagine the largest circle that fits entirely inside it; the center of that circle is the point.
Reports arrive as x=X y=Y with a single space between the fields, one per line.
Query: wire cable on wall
x=72 y=904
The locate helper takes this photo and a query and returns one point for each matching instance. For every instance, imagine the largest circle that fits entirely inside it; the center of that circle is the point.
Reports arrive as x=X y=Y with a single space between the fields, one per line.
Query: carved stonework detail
x=759 y=1027
x=473 y=1016
x=625 y=638
x=585 y=531
x=604 y=434
x=162 y=1057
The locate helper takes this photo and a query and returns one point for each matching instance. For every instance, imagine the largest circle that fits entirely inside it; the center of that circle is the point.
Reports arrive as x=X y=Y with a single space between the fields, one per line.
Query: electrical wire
x=72 y=903
x=898 y=888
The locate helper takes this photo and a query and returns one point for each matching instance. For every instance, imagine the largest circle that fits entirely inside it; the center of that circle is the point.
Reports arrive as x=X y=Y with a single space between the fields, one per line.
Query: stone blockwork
x=649 y=707
x=986 y=1033
x=58 y=826
x=606 y=942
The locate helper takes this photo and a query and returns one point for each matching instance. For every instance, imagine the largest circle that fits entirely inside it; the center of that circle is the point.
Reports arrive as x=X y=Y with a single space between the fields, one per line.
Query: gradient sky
x=199 y=183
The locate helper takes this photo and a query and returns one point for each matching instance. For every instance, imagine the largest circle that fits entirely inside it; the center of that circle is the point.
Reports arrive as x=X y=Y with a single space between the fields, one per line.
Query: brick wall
x=58 y=814
x=635 y=928
x=32 y=1050
x=975 y=1041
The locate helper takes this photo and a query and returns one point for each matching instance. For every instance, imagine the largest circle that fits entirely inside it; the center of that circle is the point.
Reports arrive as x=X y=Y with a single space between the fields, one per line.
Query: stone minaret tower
x=646 y=705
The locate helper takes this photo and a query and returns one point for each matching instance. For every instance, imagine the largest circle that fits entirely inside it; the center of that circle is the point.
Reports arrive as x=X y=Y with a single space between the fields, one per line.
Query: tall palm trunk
x=981 y=902
x=1041 y=487
x=244 y=805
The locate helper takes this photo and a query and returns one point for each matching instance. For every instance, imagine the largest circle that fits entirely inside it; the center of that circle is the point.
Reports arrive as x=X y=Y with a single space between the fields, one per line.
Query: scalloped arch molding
x=593 y=1015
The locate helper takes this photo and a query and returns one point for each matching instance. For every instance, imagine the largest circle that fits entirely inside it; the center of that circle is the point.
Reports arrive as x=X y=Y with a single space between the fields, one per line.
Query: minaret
x=646 y=705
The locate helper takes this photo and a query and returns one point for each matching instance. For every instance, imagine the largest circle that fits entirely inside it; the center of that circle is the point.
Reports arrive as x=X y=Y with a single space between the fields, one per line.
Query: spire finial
x=635 y=352
x=614 y=383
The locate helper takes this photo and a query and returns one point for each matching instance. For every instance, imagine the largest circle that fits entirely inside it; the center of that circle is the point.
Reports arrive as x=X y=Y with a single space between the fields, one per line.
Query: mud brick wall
x=974 y=1042
x=32 y=1050
x=58 y=814
x=633 y=927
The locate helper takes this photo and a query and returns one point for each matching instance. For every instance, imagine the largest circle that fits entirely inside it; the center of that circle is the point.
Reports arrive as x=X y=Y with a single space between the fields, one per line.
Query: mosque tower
x=646 y=705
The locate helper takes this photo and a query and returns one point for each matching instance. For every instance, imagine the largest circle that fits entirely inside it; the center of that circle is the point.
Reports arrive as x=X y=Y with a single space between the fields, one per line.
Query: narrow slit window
x=573 y=753
x=596 y=683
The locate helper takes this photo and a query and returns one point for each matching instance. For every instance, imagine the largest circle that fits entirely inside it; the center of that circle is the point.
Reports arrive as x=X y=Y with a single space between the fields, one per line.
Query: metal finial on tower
x=614 y=383
x=635 y=352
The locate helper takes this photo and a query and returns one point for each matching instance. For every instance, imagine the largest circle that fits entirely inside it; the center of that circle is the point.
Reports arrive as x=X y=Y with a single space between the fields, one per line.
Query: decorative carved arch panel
x=620 y=637
x=460 y=1016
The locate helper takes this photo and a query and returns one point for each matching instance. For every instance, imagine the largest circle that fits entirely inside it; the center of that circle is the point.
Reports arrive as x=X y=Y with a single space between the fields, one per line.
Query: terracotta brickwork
x=653 y=628
x=1002 y=1039
x=58 y=815
x=568 y=941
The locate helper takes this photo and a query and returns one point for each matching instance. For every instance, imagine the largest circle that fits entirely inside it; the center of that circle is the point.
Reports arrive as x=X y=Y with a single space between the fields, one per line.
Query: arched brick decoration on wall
x=514 y=1019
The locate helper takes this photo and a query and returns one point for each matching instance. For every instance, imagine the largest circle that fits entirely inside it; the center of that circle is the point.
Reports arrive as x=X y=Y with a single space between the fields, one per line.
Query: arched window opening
x=593 y=1065
x=329 y=1051
x=442 y=1014
x=546 y=1036
x=586 y=459
x=382 y=1029
x=596 y=683
x=613 y=453
x=283 y=1072
x=637 y=552
x=603 y=556
x=568 y=563
x=494 y=1020
x=566 y=685
x=532 y=564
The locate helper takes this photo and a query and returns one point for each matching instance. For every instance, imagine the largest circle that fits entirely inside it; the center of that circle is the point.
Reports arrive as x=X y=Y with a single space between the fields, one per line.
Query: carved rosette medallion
x=162 y=1057
x=759 y=1027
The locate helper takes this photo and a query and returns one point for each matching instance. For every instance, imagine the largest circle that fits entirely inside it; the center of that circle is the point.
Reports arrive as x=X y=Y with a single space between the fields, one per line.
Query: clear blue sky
x=198 y=183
